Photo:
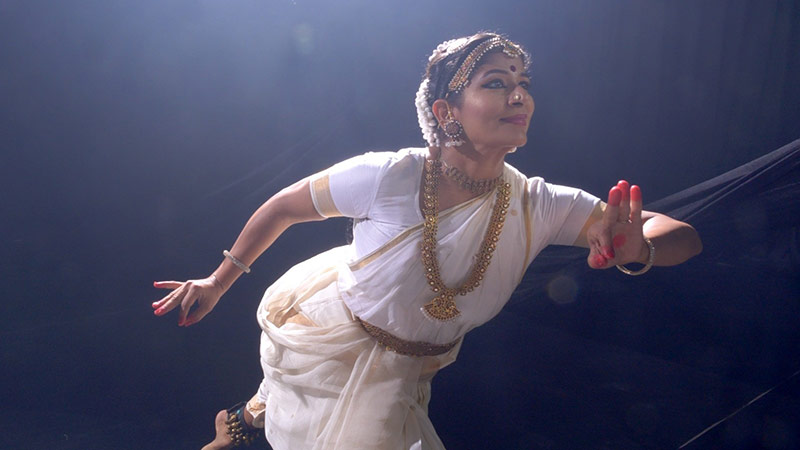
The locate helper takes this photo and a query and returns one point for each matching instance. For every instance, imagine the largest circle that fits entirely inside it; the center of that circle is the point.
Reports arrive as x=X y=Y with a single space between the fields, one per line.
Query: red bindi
x=513 y=68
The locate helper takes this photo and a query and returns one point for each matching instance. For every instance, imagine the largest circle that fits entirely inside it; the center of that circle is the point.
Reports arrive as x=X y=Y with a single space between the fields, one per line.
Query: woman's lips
x=519 y=119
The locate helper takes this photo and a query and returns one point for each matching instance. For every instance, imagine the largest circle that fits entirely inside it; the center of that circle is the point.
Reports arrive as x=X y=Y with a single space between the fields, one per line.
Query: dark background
x=137 y=137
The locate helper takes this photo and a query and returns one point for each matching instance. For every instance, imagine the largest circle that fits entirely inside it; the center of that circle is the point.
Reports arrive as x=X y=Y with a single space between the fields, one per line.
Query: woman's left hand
x=193 y=298
x=618 y=238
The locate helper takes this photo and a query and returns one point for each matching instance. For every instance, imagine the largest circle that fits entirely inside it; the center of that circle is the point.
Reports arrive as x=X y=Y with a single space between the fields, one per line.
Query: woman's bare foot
x=222 y=440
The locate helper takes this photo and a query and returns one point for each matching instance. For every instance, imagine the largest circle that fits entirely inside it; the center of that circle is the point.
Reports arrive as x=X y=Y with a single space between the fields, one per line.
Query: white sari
x=330 y=385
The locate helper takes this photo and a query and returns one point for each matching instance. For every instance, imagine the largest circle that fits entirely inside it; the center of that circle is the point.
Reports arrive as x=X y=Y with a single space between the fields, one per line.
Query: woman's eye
x=495 y=84
x=525 y=85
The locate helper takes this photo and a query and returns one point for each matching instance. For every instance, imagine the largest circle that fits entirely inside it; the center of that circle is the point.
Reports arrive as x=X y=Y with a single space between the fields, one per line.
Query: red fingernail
x=608 y=252
x=619 y=240
x=155 y=283
x=188 y=322
x=181 y=322
x=636 y=193
x=614 y=196
x=599 y=261
x=623 y=185
x=159 y=311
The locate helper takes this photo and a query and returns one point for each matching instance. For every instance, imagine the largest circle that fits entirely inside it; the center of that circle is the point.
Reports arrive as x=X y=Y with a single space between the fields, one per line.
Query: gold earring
x=452 y=128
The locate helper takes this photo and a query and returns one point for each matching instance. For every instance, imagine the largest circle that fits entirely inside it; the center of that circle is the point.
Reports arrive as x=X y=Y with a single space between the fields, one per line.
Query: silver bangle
x=647 y=266
x=242 y=266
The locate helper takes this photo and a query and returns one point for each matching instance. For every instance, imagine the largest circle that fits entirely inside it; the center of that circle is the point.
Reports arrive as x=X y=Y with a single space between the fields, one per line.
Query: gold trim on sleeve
x=321 y=195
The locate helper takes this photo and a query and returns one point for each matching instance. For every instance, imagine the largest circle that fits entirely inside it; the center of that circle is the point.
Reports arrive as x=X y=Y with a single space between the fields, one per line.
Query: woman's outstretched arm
x=290 y=206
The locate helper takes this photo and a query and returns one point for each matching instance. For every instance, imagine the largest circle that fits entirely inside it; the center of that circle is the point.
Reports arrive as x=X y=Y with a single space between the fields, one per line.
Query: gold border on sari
x=377 y=253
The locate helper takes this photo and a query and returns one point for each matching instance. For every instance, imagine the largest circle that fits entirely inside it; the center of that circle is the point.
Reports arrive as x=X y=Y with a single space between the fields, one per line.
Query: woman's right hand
x=205 y=293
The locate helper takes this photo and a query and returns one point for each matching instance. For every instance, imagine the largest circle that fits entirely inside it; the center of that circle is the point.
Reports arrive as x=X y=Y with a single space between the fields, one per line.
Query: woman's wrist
x=651 y=255
x=218 y=283
x=644 y=252
x=227 y=274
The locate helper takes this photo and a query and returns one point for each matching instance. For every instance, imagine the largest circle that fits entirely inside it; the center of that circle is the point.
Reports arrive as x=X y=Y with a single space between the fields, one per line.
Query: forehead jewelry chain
x=461 y=78
x=443 y=306
x=468 y=183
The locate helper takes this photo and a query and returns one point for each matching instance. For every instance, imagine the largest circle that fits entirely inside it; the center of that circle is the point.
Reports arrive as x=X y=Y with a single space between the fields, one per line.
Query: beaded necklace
x=443 y=306
x=468 y=183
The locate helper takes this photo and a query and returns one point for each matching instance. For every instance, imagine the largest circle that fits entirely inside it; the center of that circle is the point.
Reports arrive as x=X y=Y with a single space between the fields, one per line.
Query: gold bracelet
x=647 y=266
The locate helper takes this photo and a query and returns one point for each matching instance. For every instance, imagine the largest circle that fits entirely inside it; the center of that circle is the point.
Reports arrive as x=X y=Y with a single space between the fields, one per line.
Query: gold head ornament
x=461 y=78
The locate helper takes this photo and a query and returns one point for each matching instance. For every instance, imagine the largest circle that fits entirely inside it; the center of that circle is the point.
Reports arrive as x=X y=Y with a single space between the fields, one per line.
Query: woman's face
x=496 y=107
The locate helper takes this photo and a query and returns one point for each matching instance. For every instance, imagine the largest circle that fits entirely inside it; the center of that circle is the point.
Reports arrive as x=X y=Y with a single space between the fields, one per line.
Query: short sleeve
x=560 y=211
x=349 y=187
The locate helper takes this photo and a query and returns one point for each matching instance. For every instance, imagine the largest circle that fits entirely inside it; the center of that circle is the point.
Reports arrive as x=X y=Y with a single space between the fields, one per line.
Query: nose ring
x=516 y=97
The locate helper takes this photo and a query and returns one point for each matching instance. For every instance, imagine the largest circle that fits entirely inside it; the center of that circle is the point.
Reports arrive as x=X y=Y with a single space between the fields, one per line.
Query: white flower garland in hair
x=451 y=46
x=427 y=121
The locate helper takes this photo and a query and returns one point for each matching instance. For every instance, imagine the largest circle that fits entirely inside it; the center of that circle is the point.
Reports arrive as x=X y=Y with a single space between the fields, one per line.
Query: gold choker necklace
x=468 y=183
x=443 y=306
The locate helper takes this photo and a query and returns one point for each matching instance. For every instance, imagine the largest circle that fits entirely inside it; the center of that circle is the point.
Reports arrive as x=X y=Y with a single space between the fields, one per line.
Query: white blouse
x=382 y=280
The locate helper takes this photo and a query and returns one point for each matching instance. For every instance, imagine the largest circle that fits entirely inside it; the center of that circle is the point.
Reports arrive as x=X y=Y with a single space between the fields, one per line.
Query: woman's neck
x=478 y=165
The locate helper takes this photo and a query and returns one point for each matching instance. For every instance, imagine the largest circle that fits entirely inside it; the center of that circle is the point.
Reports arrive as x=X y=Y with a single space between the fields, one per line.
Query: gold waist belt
x=403 y=347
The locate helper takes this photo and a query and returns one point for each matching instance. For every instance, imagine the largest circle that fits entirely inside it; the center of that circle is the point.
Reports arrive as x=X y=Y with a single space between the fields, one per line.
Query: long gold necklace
x=443 y=306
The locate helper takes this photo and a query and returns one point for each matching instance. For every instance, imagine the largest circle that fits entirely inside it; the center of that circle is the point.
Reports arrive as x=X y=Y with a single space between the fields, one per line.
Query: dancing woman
x=442 y=235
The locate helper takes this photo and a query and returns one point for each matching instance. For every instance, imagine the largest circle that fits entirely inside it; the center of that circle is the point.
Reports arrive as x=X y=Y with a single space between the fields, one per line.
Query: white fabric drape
x=327 y=383
x=331 y=385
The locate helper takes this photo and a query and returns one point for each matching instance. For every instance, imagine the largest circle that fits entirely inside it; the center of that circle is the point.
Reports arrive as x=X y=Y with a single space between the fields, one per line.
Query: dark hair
x=445 y=61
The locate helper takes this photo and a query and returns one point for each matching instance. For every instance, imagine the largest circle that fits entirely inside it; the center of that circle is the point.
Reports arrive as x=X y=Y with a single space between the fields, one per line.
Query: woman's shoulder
x=515 y=177
x=401 y=162
x=380 y=167
x=404 y=164
x=534 y=183
x=390 y=158
x=408 y=155
x=376 y=162
x=534 y=187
